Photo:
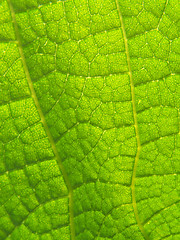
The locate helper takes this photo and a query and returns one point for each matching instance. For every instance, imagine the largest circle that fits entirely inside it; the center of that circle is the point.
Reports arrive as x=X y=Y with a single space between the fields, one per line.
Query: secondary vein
x=42 y=117
x=135 y=125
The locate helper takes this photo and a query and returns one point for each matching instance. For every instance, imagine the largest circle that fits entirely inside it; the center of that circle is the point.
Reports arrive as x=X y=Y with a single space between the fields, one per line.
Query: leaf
x=89 y=119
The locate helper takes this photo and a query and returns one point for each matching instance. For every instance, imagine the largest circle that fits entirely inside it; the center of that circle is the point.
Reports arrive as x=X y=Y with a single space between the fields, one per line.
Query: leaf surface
x=89 y=118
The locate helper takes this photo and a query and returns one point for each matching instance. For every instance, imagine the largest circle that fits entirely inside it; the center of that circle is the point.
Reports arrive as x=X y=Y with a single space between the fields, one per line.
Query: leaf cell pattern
x=89 y=118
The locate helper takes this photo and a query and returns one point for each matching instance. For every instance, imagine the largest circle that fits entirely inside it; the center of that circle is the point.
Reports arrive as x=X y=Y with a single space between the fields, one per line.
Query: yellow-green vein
x=33 y=93
x=135 y=125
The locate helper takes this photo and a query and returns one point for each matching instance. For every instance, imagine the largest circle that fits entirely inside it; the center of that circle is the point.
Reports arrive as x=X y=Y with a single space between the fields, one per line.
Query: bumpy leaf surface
x=89 y=105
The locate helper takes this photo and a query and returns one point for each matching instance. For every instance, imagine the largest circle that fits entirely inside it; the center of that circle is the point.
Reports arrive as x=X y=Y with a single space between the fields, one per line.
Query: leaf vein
x=33 y=94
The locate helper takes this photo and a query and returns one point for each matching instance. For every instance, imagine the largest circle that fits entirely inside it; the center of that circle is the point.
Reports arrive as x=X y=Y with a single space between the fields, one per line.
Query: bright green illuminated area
x=89 y=120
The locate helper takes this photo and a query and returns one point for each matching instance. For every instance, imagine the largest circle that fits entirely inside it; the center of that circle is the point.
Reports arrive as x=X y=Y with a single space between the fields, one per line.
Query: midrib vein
x=135 y=125
x=33 y=93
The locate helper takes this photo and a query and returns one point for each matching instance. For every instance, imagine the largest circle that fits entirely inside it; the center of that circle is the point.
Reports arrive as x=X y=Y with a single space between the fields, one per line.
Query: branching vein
x=135 y=125
x=33 y=93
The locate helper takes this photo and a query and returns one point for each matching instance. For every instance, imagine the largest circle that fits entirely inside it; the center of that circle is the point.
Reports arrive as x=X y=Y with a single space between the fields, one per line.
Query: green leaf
x=89 y=119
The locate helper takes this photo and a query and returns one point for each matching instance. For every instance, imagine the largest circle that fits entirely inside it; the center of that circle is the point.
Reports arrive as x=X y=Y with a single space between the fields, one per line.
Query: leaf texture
x=89 y=118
